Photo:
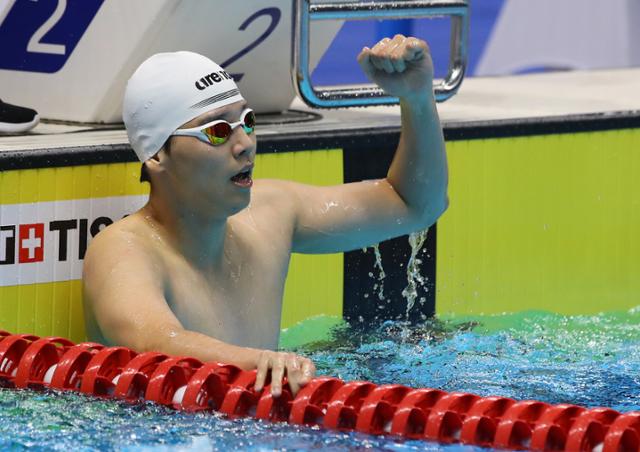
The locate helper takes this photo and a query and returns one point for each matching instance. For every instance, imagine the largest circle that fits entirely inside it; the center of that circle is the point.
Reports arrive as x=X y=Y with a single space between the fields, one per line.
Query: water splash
x=381 y=273
x=379 y=285
x=587 y=360
x=410 y=293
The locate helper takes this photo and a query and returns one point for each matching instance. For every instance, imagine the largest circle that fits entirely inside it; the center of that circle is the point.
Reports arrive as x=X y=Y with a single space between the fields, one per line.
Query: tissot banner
x=46 y=241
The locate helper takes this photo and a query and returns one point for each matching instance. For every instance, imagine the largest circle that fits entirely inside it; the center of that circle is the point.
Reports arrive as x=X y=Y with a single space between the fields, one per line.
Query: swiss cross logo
x=31 y=244
x=71 y=236
x=46 y=242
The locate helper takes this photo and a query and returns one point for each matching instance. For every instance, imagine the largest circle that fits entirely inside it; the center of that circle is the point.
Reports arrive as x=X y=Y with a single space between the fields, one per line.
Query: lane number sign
x=40 y=35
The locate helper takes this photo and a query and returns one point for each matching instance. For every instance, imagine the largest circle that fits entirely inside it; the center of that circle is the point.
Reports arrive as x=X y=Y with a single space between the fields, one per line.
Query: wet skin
x=200 y=270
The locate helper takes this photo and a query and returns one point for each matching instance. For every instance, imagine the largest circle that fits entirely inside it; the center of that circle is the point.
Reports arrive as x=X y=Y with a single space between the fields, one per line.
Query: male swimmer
x=200 y=269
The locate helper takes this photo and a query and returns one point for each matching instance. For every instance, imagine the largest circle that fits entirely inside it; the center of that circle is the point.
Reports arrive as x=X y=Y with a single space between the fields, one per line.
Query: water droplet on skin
x=329 y=205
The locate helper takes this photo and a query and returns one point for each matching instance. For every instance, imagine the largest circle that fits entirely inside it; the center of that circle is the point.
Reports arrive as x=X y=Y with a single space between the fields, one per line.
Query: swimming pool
x=587 y=360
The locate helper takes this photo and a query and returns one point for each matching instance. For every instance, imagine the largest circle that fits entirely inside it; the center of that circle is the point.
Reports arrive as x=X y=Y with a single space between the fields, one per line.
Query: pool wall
x=547 y=222
x=542 y=216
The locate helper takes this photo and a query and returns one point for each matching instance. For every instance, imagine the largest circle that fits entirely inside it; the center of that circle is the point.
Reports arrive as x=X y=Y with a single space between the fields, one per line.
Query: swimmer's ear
x=164 y=152
x=154 y=164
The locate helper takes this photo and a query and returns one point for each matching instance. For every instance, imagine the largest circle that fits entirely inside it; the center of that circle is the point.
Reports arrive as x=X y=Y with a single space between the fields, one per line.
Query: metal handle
x=305 y=11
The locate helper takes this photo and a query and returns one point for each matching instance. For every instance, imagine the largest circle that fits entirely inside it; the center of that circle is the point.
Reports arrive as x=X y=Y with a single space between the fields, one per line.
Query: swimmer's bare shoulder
x=275 y=193
x=122 y=265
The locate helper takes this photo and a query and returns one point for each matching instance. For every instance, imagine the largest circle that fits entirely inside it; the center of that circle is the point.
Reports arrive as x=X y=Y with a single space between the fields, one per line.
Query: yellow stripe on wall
x=49 y=309
x=67 y=183
x=545 y=222
x=314 y=285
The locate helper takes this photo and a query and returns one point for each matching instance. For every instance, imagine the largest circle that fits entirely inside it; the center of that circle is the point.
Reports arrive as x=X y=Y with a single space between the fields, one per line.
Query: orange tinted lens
x=218 y=133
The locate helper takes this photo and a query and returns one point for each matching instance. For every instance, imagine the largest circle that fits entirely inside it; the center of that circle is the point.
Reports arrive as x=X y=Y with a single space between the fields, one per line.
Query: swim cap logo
x=210 y=79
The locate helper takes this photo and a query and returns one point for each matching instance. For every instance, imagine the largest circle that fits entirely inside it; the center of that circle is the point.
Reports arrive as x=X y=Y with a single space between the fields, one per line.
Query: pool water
x=587 y=360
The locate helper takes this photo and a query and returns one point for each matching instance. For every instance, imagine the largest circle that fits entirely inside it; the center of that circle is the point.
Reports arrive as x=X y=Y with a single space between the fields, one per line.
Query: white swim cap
x=168 y=90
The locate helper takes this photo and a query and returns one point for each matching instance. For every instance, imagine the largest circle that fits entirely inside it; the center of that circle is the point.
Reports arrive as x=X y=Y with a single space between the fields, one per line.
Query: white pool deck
x=558 y=94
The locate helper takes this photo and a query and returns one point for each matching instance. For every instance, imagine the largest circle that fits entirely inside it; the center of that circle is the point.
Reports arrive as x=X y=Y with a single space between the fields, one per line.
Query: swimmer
x=200 y=270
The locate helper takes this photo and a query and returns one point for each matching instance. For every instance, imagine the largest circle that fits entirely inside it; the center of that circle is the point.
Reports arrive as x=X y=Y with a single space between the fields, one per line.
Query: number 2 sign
x=40 y=35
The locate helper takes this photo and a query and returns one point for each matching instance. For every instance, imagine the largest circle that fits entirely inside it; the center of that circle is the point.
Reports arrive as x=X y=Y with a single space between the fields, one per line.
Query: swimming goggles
x=218 y=132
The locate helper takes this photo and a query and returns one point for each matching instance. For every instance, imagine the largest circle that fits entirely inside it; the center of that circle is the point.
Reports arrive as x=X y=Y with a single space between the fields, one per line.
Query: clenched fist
x=401 y=66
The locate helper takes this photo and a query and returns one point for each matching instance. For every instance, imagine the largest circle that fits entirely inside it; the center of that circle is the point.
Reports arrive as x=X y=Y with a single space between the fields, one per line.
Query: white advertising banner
x=46 y=242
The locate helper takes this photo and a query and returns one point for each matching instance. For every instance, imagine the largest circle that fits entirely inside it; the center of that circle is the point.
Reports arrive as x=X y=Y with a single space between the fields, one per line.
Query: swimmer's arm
x=126 y=295
x=418 y=172
x=402 y=67
x=351 y=216
x=414 y=193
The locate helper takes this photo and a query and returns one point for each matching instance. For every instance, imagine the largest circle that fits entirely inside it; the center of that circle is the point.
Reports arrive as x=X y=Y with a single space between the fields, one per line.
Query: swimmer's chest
x=240 y=304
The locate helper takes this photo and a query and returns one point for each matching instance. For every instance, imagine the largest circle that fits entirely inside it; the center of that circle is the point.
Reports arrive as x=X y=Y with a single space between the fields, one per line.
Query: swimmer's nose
x=242 y=145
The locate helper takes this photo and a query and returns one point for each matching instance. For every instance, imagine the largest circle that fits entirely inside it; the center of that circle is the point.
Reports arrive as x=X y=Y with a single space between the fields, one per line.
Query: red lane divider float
x=184 y=383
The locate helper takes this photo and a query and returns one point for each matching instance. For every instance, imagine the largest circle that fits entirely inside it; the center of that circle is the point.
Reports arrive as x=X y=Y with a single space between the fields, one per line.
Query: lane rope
x=183 y=383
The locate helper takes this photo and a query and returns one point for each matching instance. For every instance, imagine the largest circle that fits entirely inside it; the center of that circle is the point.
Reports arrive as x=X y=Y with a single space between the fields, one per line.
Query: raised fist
x=401 y=66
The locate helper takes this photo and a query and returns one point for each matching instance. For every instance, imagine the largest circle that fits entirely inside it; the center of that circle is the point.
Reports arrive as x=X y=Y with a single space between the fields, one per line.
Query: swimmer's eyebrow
x=229 y=115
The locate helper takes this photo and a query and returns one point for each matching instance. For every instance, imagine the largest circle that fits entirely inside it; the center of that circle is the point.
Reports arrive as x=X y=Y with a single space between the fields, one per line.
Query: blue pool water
x=592 y=361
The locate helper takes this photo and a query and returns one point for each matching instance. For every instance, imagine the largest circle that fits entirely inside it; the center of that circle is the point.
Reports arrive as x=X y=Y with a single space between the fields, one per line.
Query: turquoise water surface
x=591 y=361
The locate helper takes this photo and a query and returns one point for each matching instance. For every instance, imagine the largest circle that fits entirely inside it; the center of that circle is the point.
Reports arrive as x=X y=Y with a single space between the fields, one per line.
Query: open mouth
x=243 y=179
